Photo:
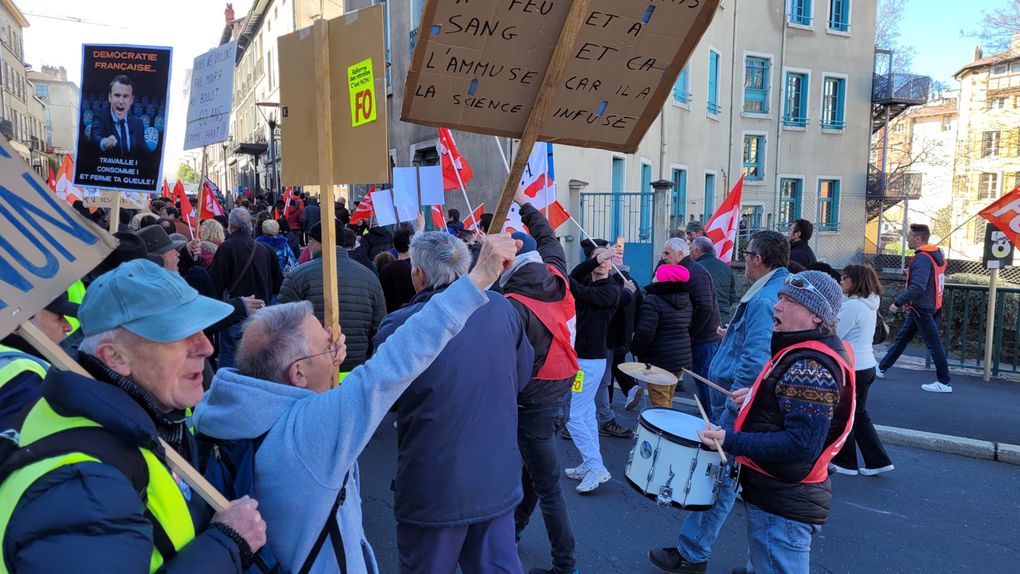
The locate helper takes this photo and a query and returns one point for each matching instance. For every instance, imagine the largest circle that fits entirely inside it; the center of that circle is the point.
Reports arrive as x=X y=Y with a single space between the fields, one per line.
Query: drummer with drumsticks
x=792 y=422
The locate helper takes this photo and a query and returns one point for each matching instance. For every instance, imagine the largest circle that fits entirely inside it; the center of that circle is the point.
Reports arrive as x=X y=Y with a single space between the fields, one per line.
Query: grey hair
x=442 y=257
x=240 y=220
x=273 y=340
x=270 y=227
x=704 y=245
x=678 y=245
x=91 y=343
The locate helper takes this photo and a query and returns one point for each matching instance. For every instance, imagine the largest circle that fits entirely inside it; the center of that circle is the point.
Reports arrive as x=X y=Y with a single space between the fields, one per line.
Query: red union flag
x=365 y=209
x=473 y=219
x=437 y=217
x=209 y=206
x=1004 y=214
x=722 y=228
x=453 y=162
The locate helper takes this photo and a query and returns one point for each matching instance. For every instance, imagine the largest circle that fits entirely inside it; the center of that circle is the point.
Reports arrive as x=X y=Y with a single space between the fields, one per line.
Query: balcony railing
x=900 y=89
x=895 y=186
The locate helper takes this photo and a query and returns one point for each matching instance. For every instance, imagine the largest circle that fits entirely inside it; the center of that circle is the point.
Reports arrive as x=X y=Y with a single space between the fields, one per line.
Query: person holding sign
x=114 y=131
x=94 y=494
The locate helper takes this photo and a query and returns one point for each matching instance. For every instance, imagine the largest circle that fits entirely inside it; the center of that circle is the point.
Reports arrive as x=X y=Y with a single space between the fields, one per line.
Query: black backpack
x=231 y=469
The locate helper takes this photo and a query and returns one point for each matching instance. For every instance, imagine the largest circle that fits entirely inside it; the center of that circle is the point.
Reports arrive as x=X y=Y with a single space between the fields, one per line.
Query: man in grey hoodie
x=313 y=433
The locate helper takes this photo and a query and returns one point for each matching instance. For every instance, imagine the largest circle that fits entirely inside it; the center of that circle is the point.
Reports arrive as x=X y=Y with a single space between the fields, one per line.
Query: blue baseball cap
x=149 y=301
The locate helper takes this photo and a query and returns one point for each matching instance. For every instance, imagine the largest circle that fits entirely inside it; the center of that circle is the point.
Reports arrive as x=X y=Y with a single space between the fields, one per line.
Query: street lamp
x=271 y=120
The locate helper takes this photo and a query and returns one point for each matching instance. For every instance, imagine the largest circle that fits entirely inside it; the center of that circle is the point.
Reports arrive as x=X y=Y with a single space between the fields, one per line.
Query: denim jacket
x=745 y=349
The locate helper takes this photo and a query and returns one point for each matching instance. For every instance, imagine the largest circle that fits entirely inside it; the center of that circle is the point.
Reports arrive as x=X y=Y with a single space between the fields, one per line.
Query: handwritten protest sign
x=124 y=95
x=478 y=67
x=357 y=128
x=44 y=245
x=93 y=197
x=210 y=97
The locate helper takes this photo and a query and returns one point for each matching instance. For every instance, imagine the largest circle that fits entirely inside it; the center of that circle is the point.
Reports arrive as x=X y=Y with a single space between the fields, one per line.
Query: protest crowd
x=211 y=341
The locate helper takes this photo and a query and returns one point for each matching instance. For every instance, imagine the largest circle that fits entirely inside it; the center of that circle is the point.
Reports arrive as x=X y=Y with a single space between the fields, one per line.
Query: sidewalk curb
x=969 y=447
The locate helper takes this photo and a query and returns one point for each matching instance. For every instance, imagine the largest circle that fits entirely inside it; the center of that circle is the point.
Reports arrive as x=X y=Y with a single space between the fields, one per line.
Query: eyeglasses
x=798 y=282
x=333 y=350
x=745 y=253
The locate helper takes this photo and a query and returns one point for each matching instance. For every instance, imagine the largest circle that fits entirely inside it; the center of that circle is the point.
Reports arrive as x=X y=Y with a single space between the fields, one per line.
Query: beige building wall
x=60 y=122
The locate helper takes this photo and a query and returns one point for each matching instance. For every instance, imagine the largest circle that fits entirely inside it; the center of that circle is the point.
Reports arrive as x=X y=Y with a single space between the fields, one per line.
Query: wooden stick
x=331 y=304
x=709 y=383
x=718 y=445
x=56 y=356
x=546 y=93
x=115 y=212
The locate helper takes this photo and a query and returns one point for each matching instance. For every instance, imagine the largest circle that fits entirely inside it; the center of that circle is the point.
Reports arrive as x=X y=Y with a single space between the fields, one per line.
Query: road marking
x=877 y=511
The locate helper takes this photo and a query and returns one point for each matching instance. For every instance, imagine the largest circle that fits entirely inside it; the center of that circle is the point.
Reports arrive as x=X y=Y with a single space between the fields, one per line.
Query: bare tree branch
x=887 y=34
x=997 y=27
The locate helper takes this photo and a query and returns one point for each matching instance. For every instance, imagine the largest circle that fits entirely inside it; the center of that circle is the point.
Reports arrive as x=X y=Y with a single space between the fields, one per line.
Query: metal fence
x=631 y=216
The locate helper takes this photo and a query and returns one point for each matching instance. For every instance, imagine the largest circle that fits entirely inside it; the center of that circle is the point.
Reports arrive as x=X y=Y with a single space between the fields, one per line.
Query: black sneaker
x=564 y=433
x=670 y=560
x=613 y=429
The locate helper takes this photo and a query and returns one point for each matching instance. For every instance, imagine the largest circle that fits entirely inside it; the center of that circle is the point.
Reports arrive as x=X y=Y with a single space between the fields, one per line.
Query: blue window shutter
x=681 y=89
x=713 y=82
x=840 y=102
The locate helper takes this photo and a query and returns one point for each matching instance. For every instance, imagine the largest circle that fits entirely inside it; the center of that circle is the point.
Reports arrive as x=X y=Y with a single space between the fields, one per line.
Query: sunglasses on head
x=798 y=282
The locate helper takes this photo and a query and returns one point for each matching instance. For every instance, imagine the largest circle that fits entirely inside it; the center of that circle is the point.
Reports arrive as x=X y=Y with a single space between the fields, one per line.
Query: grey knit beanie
x=826 y=291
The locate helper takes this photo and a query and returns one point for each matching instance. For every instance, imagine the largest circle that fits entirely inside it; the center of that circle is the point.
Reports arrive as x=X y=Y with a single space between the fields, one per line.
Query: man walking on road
x=922 y=301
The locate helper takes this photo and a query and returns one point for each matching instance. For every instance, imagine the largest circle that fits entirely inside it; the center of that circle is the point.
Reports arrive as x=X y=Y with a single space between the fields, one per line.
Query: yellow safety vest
x=18 y=362
x=75 y=294
x=165 y=501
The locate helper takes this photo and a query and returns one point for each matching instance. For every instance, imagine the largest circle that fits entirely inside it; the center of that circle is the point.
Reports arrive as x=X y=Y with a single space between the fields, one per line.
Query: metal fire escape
x=892 y=94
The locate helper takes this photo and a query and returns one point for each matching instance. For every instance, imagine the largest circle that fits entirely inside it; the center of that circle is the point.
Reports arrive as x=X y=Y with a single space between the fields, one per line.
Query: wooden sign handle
x=544 y=101
x=57 y=357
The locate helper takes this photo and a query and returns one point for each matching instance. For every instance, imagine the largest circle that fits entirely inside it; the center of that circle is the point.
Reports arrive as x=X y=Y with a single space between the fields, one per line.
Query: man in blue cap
x=93 y=493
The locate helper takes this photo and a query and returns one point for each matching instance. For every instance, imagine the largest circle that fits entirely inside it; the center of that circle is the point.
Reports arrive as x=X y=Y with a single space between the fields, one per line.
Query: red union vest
x=940 y=276
x=819 y=472
x=560 y=318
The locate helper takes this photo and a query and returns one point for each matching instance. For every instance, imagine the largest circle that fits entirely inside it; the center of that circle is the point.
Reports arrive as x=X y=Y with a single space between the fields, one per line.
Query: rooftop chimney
x=229 y=13
x=978 y=54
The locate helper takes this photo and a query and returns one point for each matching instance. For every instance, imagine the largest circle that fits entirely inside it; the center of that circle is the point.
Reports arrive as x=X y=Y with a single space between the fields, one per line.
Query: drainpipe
x=733 y=111
x=662 y=140
x=779 y=124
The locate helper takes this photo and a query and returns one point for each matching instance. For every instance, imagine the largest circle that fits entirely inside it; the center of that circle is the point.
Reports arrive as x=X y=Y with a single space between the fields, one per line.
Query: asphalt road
x=934 y=513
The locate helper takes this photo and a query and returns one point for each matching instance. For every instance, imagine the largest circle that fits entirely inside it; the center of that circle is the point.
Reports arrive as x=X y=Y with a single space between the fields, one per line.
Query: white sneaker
x=593 y=479
x=576 y=473
x=840 y=470
x=879 y=373
x=875 y=471
x=937 y=387
x=634 y=398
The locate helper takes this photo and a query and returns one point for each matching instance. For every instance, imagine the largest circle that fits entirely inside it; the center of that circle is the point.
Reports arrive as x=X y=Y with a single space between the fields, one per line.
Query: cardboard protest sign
x=104 y=198
x=210 y=97
x=358 y=126
x=478 y=67
x=44 y=244
x=124 y=99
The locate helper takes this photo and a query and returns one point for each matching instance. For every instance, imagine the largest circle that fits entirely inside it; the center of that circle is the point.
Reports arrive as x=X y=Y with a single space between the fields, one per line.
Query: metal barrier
x=631 y=216
x=963 y=328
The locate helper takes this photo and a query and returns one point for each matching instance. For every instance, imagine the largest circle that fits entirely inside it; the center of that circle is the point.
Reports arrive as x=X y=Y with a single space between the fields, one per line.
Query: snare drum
x=670 y=463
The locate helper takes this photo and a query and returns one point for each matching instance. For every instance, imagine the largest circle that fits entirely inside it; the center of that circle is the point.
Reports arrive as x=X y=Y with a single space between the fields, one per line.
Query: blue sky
x=933 y=27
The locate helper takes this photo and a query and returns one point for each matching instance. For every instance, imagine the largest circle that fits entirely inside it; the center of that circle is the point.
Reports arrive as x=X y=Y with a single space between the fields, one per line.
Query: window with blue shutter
x=828 y=204
x=833 y=103
x=679 y=198
x=839 y=15
x=647 y=197
x=790 y=192
x=682 y=87
x=796 y=103
x=800 y=12
x=709 y=196
x=713 y=82
x=754 y=158
x=756 y=85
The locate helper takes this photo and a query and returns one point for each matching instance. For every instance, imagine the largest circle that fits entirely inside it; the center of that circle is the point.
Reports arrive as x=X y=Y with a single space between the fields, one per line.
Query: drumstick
x=709 y=383
x=718 y=445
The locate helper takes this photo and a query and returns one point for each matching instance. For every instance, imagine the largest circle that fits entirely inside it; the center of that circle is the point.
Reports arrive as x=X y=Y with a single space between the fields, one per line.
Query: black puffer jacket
x=362 y=303
x=377 y=240
x=705 y=319
x=661 y=332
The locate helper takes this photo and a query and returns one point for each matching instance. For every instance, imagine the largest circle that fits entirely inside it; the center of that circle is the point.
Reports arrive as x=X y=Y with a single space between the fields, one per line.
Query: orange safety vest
x=819 y=472
x=560 y=318
x=940 y=277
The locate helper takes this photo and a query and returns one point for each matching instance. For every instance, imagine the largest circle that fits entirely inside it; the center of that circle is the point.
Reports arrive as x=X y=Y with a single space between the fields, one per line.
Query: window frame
x=993 y=147
x=797 y=202
x=712 y=100
x=762 y=155
x=682 y=97
x=807 y=21
x=993 y=180
x=709 y=210
x=677 y=197
x=833 y=201
x=838 y=126
x=849 y=18
x=766 y=100
x=798 y=123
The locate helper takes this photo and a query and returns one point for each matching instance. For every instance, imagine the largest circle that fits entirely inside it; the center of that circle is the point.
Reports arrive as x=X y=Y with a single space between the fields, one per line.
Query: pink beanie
x=672 y=273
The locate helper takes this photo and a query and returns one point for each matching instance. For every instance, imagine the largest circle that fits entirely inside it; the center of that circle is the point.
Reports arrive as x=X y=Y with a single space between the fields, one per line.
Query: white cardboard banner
x=210 y=97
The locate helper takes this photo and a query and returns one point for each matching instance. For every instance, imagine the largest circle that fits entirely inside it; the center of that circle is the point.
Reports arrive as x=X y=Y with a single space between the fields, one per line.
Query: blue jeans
x=703 y=355
x=536 y=429
x=228 y=345
x=922 y=320
x=778 y=545
x=700 y=529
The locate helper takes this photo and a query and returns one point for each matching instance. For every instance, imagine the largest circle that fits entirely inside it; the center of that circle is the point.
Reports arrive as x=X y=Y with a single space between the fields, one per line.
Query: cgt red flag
x=453 y=162
x=1004 y=214
x=437 y=217
x=722 y=227
x=52 y=181
x=209 y=206
x=472 y=221
x=365 y=209
x=166 y=188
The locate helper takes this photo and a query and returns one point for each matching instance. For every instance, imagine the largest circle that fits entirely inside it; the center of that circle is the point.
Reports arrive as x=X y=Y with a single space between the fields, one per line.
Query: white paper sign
x=406 y=182
x=211 y=95
x=386 y=213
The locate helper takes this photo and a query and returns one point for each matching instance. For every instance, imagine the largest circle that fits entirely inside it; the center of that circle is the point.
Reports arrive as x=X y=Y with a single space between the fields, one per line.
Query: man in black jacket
x=704 y=329
x=537 y=288
x=242 y=267
x=800 y=250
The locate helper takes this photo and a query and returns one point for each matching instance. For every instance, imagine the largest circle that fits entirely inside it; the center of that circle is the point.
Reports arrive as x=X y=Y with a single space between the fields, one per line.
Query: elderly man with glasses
x=282 y=392
x=742 y=354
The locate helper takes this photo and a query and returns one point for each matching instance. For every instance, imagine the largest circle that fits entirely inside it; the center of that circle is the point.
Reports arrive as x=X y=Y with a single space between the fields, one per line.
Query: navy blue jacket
x=86 y=517
x=457 y=457
x=920 y=292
